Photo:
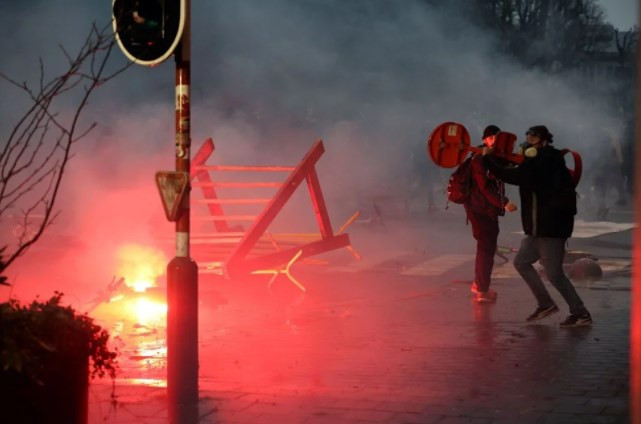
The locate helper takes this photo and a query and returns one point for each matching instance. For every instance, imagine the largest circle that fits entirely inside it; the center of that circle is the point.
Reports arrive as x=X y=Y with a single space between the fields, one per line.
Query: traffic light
x=148 y=31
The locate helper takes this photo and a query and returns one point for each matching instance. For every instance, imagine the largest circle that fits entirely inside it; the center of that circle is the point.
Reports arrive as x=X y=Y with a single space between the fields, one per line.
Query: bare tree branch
x=37 y=150
x=548 y=34
x=626 y=43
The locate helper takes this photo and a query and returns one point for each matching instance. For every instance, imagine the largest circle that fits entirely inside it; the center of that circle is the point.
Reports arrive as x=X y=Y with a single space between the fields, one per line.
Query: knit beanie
x=490 y=130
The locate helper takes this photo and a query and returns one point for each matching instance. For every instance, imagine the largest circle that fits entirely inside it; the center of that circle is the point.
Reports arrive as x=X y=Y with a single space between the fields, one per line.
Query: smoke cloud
x=369 y=78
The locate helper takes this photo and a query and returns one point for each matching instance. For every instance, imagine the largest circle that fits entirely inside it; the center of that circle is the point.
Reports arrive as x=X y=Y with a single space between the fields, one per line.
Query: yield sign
x=172 y=186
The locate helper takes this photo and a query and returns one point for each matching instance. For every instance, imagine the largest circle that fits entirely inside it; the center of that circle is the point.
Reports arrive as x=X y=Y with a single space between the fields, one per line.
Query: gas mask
x=528 y=150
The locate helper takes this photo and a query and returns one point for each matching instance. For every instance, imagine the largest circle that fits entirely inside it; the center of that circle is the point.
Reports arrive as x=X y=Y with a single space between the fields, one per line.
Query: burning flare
x=140 y=266
x=150 y=312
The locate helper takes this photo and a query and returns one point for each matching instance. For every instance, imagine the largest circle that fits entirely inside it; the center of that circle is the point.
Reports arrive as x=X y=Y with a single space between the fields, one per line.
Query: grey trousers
x=550 y=251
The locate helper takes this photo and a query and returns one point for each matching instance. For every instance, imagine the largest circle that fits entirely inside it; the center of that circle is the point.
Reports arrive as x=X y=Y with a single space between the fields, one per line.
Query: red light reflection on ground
x=137 y=323
x=134 y=309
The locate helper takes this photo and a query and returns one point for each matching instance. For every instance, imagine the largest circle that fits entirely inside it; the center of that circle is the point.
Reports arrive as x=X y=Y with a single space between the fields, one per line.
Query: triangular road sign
x=172 y=186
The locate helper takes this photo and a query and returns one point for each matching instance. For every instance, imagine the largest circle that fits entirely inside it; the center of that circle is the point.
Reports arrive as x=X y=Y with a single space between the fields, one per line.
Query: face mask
x=528 y=150
x=523 y=147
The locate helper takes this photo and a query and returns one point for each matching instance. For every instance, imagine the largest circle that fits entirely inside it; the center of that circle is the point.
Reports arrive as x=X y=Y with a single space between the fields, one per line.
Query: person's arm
x=509 y=175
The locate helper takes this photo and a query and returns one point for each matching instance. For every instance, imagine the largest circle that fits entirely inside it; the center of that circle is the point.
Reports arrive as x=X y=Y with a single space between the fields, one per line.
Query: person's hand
x=487 y=151
x=510 y=207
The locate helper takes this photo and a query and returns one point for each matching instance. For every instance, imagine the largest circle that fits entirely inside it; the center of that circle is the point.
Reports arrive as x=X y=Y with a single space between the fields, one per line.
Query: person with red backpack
x=548 y=206
x=483 y=206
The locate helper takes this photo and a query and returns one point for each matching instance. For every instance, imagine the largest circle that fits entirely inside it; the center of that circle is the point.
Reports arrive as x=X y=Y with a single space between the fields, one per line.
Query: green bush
x=30 y=334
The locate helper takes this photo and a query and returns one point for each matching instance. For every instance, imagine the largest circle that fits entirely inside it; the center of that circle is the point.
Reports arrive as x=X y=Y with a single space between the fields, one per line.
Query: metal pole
x=182 y=271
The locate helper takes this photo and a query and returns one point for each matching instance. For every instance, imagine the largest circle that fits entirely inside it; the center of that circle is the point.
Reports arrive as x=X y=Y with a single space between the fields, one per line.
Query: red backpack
x=460 y=183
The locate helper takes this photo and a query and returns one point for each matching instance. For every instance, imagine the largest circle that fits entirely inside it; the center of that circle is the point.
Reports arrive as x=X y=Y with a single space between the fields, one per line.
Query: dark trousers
x=485 y=230
x=550 y=251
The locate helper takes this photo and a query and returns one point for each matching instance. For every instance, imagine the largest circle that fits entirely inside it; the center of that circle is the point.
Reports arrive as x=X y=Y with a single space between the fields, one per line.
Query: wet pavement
x=397 y=338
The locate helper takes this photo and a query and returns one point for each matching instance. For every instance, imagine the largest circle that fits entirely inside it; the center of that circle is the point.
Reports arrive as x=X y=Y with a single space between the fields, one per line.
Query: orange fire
x=135 y=308
x=140 y=266
x=137 y=300
x=150 y=312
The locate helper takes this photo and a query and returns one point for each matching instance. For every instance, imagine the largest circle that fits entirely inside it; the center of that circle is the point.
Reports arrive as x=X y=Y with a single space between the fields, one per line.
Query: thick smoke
x=371 y=78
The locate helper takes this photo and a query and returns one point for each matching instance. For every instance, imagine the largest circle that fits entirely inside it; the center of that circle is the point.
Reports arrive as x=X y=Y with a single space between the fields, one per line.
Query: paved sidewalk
x=378 y=346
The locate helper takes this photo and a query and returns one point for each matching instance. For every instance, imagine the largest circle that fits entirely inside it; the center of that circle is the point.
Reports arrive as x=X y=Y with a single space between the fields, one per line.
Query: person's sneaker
x=474 y=288
x=488 y=296
x=542 y=312
x=577 y=320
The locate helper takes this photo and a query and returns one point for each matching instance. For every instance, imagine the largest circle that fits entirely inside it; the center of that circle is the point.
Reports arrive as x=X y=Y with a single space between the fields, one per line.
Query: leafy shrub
x=32 y=334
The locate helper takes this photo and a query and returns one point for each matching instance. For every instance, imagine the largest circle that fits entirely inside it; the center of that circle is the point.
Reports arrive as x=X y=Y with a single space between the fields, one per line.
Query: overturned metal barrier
x=230 y=246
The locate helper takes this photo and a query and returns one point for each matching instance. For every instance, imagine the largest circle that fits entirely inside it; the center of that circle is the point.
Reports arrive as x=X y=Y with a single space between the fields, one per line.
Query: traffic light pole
x=182 y=272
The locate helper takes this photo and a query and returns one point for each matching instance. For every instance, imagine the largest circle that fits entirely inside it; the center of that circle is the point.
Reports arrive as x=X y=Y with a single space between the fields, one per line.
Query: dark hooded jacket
x=548 y=198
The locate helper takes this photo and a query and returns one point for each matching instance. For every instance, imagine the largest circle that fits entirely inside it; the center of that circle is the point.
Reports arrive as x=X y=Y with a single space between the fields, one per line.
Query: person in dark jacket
x=486 y=203
x=548 y=206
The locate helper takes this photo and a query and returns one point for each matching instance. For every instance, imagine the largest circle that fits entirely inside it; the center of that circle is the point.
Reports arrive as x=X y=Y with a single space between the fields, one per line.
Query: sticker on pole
x=172 y=186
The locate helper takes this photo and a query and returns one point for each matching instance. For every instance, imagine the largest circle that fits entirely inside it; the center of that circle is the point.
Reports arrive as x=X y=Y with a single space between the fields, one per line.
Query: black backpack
x=460 y=183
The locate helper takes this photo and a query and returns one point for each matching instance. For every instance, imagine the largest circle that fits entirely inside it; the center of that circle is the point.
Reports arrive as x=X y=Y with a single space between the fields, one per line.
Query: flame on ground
x=140 y=266
x=150 y=312
x=136 y=308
